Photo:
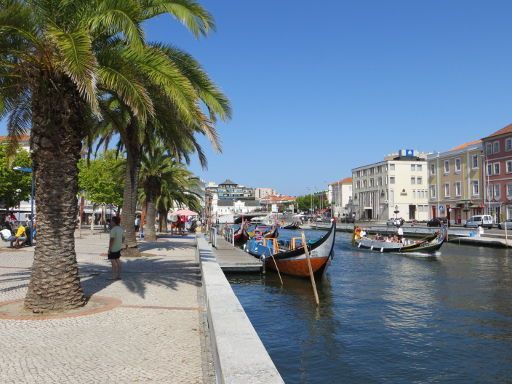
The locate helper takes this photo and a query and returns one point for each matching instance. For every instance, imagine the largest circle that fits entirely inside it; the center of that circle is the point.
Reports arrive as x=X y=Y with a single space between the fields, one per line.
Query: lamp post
x=29 y=170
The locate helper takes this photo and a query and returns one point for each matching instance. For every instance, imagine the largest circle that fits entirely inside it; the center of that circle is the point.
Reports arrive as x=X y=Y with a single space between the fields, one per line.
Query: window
x=391 y=167
x=432 y=169
x=508 y=144
x=496 y=147
x=414 y=194
x=372 y=171
x=413 y=167
x=476 y=188
x=446 y=166
x=419 y=167
x=364 y=172
x=419 y=180
x=392 y=180
x=509 y=190
x=457 y=165
x=509 y=166
x=457 y=189
x=365 y=183
x=447 y=190
x=372 y=183
x=358 y=184
x=358 y=173
x=413 y=180
x=489 y=169
x=488 y=149
x=497 y=192
x=475 y=161
x=496 y=168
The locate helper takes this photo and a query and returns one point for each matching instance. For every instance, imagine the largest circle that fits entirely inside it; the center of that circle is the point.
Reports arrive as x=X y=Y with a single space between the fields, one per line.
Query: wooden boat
x=428 y=245
x=290 y=257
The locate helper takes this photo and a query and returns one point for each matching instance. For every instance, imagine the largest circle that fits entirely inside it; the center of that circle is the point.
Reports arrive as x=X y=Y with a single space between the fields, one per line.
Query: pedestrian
x=114 y=247
x=137 y=223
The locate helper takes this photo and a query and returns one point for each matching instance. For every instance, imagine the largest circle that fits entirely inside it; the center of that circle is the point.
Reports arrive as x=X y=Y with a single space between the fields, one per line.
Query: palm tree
x=55 y=57
x=164 y=182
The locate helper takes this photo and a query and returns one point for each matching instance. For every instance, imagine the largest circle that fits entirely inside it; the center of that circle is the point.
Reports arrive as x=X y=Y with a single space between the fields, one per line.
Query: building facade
x=456 y=185
x=394 y=187
x=340 y=197
x=229 y=198
x=261 y=193
x=497 y=149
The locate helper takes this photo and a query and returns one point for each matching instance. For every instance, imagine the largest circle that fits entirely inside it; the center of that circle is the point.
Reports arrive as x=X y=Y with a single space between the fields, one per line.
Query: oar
x=277 y=268
x=313 y=283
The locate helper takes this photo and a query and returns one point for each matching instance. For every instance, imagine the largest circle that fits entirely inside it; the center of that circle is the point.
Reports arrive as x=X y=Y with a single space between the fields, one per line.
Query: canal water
x=387 y=318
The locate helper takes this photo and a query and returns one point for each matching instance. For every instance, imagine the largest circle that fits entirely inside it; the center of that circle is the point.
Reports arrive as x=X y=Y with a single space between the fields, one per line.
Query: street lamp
x=29 y=170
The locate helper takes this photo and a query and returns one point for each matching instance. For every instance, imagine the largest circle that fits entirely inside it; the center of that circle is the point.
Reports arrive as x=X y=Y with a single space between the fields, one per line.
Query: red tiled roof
x=272 y=198
x=465 y=145
x=502 y=131
x=346 y=180
x=22 y=138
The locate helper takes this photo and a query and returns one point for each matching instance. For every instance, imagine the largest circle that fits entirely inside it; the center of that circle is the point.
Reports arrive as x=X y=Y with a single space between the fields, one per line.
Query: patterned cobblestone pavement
x=155 y=335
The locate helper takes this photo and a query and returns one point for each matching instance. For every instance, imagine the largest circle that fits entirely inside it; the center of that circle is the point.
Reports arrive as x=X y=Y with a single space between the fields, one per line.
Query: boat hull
x=299 y=267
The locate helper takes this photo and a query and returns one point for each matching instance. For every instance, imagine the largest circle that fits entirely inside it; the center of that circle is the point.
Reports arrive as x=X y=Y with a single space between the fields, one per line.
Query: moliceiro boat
x=429 y=244
x=290 y=256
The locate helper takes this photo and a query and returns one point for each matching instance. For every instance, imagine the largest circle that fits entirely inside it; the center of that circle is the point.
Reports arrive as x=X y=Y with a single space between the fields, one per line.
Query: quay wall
x=238 y=353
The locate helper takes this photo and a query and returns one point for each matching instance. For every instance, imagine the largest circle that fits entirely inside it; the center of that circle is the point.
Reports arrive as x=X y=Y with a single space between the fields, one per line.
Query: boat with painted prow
x=290 y=256
x=428 y=245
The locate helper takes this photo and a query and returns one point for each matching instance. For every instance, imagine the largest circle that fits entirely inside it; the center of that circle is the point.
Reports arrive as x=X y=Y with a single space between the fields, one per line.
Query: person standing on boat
x=400 y=233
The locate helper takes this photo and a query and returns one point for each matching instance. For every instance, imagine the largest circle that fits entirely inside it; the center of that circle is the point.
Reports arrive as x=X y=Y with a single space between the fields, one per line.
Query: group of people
x=395 y=238
x=17 y=233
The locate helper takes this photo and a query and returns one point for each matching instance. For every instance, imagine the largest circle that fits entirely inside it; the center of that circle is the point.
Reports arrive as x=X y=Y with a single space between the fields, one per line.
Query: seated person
x=20 y=237
x=6 y=235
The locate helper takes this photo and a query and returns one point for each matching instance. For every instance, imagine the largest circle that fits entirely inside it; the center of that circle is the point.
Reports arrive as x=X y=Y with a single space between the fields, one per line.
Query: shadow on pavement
x=137 y=274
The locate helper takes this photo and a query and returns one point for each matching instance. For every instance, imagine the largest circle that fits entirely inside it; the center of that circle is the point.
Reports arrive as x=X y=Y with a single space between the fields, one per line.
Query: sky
x=319 y=88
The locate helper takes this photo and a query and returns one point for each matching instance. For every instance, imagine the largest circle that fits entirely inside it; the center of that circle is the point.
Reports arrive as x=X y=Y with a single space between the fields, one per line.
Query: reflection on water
x=389 y=318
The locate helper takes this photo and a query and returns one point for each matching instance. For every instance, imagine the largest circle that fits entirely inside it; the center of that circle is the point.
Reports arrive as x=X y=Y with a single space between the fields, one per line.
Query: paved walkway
x=156 y=335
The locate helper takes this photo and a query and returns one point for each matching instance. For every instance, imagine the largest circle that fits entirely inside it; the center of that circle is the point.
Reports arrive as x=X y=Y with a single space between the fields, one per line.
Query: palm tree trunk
x=130 y=140
x=162 y=215
x=149 y=228
x=58 y=116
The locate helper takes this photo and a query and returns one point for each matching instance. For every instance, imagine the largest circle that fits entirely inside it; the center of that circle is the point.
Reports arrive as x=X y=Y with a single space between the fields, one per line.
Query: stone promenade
x=156 y=334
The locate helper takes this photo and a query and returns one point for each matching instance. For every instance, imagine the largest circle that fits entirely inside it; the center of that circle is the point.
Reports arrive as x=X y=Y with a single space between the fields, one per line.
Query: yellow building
x=456 y=188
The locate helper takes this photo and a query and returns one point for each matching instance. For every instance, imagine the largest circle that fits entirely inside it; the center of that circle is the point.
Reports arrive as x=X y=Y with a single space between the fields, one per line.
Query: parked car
x=437 y=222
x=507 y=223
x=479 y=221
x=397 y=222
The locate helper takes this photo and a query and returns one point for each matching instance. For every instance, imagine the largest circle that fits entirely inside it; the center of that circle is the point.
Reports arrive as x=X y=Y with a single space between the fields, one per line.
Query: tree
x=55 y=58
x=15 y=186
x=315 y=201
x=164 y=183
x=100 y=179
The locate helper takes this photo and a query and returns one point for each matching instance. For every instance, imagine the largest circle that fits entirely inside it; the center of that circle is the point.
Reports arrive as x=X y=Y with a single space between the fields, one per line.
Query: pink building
x=497 y=149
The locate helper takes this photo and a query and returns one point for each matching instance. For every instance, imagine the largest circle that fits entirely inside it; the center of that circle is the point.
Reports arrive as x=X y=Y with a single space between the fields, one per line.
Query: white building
x=261 y=193
x=396 y=186
x=339 y=195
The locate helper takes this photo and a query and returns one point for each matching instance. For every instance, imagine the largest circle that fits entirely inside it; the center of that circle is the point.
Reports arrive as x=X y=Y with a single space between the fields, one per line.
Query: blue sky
x=318 y=88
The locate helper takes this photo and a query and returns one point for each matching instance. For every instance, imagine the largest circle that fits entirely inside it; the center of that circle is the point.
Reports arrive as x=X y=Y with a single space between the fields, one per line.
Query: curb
x=238 y=353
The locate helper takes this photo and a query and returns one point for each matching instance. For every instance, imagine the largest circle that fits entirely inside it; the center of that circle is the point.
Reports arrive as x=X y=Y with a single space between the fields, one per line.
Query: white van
x=479 y=221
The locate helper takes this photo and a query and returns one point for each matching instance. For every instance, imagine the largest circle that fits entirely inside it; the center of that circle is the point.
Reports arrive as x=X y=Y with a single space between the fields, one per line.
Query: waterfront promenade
x=154 y=333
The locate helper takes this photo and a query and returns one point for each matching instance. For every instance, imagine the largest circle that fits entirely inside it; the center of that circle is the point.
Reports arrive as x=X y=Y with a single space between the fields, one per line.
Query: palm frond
x=188 y=12
x=78 y=61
